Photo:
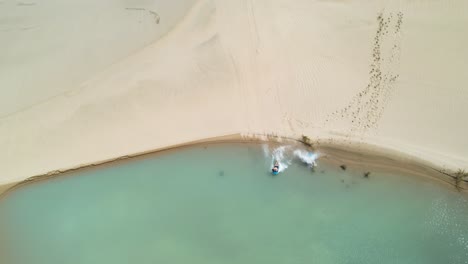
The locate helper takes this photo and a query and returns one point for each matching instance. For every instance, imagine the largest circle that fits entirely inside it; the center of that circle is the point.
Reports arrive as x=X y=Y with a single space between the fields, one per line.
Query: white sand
x=49 y=47
x=255 y=67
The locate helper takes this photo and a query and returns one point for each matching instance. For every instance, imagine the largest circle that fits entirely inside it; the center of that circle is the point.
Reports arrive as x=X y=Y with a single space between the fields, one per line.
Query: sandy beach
x=385 y=74
x=360 y=159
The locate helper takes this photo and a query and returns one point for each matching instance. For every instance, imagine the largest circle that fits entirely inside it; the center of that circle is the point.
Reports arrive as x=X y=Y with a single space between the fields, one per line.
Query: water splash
x=279 y=155
x=307 y=157
x=285 y=154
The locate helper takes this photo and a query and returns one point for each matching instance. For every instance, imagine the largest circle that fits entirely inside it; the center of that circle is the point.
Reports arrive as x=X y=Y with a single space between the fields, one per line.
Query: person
x=275 y=167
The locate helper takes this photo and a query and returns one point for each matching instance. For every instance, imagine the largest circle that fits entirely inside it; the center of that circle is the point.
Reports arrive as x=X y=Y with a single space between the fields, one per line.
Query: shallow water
x=220 y=204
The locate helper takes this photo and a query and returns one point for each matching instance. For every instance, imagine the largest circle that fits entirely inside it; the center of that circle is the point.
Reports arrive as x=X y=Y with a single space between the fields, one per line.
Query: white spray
x=278 y=155
x=307 y=157
x=284 y=154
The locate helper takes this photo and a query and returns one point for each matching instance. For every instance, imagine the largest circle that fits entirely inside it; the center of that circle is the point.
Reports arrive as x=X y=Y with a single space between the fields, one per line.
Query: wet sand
x=363 y=158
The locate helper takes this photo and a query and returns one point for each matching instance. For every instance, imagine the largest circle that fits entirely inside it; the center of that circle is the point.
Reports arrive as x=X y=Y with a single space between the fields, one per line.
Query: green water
x=221 y=205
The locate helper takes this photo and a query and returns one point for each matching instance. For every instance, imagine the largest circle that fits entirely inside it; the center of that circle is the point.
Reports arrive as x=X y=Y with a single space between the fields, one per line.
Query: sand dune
x=50 y=47
x=386 y=73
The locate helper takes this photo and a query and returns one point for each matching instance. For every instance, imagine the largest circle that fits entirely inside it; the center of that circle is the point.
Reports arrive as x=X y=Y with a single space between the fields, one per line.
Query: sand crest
x=391 y=74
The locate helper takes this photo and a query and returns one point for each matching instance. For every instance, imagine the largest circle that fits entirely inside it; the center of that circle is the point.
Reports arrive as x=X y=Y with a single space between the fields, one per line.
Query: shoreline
x=359 y=155
x=325 y=70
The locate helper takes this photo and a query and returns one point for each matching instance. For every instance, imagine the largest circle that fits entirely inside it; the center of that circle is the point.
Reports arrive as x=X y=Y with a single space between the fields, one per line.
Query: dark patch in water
x=221 y=173
x=343 y=167
x=366 y=174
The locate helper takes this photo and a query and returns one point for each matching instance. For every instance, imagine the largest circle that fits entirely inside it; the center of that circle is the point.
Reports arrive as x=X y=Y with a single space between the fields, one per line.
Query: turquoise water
x=219 y=204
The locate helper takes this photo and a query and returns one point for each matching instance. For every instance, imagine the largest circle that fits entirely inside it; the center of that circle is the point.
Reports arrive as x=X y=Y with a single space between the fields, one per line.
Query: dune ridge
x=386 y=74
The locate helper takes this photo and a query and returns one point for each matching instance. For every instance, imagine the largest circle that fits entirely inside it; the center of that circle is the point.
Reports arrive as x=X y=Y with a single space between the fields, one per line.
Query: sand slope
x=49 y=47
x=388 y=73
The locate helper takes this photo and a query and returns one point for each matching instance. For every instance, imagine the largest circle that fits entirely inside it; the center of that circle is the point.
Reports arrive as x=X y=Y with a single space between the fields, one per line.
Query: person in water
x=276 y=167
